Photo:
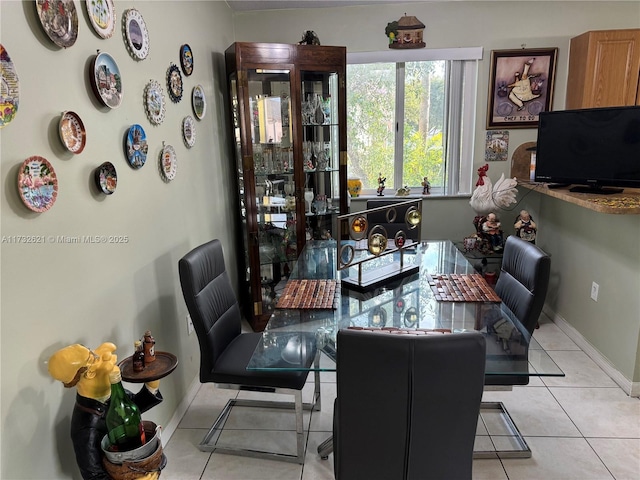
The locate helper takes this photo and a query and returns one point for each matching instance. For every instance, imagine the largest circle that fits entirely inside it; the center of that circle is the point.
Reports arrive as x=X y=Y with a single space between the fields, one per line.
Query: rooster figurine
x=487 y=197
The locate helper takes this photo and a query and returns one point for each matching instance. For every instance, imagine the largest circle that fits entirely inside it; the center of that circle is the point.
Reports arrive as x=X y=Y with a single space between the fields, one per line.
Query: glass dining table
x=407 y=301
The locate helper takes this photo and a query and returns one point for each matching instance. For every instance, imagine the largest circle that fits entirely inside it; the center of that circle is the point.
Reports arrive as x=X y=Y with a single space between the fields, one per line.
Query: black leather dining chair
x=407 y=405
x=225 y=351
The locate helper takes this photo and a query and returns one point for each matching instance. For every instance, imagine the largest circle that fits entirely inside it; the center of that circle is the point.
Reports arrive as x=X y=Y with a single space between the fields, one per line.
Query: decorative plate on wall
x=154 y=102
x=72 y=132
x=136 y=146
x=9 y=89
x=189 y=131
x=106 y=178
x=106 y=80
x=199 y=102
x=186 y=59
x=135 y=33
x=37 y=184
x=174 y=83
x=59 y=18
x=168 y=163
x=102 y=16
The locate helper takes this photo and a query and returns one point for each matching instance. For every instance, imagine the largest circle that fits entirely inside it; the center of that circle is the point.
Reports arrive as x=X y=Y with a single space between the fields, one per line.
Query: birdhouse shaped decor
x=406 y=33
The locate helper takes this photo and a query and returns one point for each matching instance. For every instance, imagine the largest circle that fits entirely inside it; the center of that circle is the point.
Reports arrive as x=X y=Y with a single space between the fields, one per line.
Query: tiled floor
x=582 y=426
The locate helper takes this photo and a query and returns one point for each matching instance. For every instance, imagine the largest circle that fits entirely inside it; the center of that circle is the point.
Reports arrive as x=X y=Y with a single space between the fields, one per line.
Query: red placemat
x=462 y=287
x=308 y=294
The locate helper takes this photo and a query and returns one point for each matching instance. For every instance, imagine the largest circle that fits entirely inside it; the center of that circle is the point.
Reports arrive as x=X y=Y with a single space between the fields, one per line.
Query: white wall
x=58 y=294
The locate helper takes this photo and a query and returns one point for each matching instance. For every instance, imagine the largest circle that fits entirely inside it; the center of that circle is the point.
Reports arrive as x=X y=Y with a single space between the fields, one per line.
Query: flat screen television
x=591 y=148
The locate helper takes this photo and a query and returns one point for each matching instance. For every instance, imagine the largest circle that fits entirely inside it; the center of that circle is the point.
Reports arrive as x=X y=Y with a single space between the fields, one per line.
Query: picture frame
x=521 y=84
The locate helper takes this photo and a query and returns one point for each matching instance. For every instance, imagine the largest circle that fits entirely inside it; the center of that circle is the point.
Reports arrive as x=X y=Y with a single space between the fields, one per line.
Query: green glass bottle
x=124 y=422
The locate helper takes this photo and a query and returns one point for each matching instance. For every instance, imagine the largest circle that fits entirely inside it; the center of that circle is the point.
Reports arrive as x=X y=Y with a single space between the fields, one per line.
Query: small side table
x=164 y=364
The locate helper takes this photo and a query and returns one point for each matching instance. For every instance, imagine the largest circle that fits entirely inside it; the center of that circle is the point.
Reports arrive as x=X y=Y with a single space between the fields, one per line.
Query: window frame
x=462 y=74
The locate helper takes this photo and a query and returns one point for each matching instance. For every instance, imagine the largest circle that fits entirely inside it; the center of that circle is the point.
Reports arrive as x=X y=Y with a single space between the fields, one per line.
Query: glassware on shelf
x=307 y=153
x=321 y=204
x=289 y=188
x=308 y=197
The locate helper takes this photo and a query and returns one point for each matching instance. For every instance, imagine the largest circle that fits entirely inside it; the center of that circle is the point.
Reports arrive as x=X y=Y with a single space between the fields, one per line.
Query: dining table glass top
x=406 y=302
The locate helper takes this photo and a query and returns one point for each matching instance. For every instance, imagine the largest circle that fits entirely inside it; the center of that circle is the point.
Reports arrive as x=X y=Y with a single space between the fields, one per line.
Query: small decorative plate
x=72 y=132
x=9 y=89
x=59 y=18
x=102 y=16
x=186 y=59
x=189 y=131
x=168 y=163
x=174 y=83
x=106 y=80
x=199 y=102
x=135 y=34
x=154 y=102
x=37 y=184
x=106 y=178
x=136 y=146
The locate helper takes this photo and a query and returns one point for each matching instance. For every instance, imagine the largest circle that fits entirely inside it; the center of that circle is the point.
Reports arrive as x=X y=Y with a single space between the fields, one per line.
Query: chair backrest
x=524 y=280
x=407 y=405
x=211 y=302
x=380 y=218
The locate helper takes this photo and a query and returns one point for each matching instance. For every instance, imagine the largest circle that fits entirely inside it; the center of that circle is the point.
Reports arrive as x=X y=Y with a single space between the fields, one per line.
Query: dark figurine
x=381 y=181
x=309 y=38
x=426 y=186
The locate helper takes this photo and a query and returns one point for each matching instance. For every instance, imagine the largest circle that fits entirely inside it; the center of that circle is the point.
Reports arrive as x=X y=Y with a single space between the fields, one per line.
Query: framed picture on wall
x=520 y=86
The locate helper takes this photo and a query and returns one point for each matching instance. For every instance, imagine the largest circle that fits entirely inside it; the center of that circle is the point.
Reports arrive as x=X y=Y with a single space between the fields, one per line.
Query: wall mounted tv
x=592 y=148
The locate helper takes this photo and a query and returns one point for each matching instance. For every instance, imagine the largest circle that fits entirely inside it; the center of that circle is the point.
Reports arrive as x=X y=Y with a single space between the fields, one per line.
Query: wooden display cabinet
x=604 y=67
x=288 y=106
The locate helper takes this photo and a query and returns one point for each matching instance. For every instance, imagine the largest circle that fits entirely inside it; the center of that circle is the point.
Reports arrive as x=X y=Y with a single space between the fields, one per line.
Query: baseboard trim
x=183 y=406
x=630 y=388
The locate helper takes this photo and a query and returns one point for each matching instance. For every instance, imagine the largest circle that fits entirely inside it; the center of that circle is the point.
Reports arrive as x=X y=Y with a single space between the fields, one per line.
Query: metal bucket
x=152 y=433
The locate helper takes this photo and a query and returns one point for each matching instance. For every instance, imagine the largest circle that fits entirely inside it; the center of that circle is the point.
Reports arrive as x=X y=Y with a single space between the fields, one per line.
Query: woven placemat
x=461 y=287
x=308 y=294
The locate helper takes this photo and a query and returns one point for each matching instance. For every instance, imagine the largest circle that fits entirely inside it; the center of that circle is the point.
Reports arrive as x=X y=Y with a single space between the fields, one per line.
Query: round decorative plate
x=199 y=102
x=135 y=34
x=154 y=102
x=102 y=16
x=72 y=132
x=174 y=83
x=186 y=59
x=37 y=184
x=106 y=80
x=59 y=18
x=106 y=178
x=168 y=163
x=9 y=89
x=136 y=146
x=189 y=131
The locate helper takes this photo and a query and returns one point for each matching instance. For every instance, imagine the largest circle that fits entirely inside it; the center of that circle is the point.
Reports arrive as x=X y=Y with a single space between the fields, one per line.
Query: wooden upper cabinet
x=604 y=66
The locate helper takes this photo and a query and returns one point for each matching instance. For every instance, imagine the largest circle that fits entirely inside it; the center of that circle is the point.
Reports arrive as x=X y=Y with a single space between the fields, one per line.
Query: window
x=410 y=115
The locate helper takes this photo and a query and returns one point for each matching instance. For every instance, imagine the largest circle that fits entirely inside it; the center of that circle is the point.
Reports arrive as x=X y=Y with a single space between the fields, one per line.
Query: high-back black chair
x=225 y=351
x=524 y=280
x=407 y=405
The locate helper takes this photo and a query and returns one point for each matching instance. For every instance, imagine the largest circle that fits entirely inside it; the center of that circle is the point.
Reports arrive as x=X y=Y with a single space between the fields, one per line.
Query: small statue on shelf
x=491 y=228
x=426 y=186
x=525 y=227
x=381 y=181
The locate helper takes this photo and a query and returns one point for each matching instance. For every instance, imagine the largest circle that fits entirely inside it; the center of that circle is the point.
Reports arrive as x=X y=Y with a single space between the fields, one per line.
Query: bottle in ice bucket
x=149 y=348
x=124 y=423
x=138 y=357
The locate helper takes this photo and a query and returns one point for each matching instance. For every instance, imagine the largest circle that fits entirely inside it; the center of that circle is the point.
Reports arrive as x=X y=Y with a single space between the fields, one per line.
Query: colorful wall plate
x=102 y=16
x=106 y=80
x=136 y=146
x=168 y=163
x=106 y=178
x=72 y=132
x=37 y=184
x=135 y=34
x=199 y=102
x=174 y=83
x=59 y=18
x=154 y=102
x=186 y=59
x=189 y=131
x=9 y=89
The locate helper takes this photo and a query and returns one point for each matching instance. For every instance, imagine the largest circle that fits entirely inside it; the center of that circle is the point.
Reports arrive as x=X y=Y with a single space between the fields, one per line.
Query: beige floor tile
x=206 y=406
x=557 y=459
x=621 y=456
x=184 y=460
x=487 y=469
x=314 y=467
x=579 y=370
x=258 y=418
x=550 y=337
x=322 y=421
x=601 y=412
